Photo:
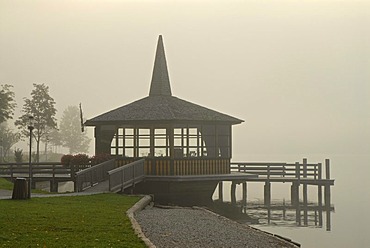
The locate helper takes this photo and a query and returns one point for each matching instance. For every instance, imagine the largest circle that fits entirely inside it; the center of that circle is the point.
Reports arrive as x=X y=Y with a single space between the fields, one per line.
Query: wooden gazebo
x=175 y=136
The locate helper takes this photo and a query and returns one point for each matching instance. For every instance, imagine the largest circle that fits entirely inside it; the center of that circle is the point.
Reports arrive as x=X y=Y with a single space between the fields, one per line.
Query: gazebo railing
x=163 y=166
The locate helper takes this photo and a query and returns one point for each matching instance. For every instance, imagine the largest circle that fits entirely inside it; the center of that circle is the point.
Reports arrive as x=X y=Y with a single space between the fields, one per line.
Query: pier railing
x=280 y=170
x=126 y=175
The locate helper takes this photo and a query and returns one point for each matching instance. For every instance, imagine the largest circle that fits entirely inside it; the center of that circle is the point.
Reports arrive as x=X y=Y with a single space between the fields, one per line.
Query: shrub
x=66 y=160
x=80 y=159
x=100 y=158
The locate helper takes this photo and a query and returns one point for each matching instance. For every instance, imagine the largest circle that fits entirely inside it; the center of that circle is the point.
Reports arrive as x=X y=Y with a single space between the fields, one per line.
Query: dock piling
x=233 y=193
x=244 y=196
x=220 y=191
x=305 y=197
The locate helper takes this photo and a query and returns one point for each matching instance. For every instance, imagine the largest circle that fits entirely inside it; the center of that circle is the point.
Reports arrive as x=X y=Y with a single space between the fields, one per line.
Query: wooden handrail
x=126 y=176
x=270 y=170
x=93 y=175
x=13 y=170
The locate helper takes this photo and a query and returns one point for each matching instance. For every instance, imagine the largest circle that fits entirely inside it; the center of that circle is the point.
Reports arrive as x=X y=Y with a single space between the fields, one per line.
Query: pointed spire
x=160 y=84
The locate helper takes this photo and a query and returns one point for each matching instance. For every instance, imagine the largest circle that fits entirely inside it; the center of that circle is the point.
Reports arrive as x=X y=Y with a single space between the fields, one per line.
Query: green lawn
x=68 y=221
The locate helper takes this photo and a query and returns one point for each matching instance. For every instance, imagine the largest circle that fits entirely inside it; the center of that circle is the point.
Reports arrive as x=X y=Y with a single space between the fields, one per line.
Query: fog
x=297 y=72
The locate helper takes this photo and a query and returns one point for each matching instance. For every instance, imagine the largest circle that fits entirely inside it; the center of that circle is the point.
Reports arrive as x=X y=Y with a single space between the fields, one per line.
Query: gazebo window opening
x=180 y=142
x=161 y=142
x=143 y=142
x=188 y=141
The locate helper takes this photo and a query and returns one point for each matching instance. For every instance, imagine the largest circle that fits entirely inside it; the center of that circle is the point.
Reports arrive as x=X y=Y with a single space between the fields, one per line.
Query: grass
x=68 y=221
x=5 y=184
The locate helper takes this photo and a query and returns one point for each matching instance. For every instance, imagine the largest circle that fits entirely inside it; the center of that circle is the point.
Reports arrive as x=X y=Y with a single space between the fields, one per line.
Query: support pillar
x=233 y=193
x=220 y=191
x=319 y=194
x=305 y=197
x=244 y=196
x=298 y=207
x=294 y=194
x=267 y=193
x=53 y=186
x=327 y=195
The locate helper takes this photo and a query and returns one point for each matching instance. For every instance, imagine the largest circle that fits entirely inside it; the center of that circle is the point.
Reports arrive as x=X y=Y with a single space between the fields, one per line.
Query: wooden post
x=244 y=196
x=305 y=200
x=327 y=185
x=327 y=194
x=233 y=193
x=220 y=191
x=298 y=208
x=298 y=215
x=328 y=219
x=52 y=182
x=327 y=168
x=53 y=186
x=267 y=193
x=319 y=193
x=293 y=194
x=295 y=186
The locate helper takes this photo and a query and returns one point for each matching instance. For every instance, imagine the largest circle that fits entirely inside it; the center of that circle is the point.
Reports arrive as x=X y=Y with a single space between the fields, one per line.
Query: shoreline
x=173 y=226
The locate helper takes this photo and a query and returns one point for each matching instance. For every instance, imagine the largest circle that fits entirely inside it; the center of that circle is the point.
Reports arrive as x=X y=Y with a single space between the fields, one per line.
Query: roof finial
x=160 y=84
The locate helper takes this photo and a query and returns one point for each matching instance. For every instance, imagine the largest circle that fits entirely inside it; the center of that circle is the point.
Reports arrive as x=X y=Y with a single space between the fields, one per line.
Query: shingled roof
x=160 y=105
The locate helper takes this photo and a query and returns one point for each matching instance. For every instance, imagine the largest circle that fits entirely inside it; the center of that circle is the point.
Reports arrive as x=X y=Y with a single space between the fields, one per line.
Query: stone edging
x=142 y=203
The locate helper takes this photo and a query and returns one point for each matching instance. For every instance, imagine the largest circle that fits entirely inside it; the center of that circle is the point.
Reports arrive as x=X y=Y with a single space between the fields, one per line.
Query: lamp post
x=30 y=127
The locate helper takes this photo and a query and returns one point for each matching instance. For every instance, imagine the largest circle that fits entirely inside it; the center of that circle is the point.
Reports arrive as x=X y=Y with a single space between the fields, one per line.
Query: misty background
x=297 y=72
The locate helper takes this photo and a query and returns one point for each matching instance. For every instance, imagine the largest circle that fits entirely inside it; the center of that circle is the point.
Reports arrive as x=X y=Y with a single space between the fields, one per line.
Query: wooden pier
x=300 y=175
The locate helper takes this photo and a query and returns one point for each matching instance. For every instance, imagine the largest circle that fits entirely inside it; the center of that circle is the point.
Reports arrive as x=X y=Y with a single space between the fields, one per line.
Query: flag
x=82 y=120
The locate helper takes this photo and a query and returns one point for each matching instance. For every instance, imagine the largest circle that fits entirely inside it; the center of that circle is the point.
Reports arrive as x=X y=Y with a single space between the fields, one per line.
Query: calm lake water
x=350 y=197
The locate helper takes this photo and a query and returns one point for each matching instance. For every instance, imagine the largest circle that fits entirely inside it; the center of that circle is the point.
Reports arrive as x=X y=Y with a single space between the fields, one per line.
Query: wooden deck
x=234 y=176
x=127 y=173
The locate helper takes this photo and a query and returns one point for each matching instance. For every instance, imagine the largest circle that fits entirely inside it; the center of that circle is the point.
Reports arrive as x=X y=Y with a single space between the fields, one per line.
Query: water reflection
x=288 y=215
x=298 y=211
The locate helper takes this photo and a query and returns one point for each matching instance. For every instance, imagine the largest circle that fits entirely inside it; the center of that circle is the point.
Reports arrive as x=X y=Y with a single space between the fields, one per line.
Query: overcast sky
x=297 y=72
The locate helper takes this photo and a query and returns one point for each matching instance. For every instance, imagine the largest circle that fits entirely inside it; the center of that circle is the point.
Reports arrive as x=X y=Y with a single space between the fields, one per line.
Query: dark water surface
x=350 y=197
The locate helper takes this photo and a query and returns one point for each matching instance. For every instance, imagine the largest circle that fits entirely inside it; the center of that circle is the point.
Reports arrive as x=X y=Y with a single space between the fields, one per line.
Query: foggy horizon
x=296 y=73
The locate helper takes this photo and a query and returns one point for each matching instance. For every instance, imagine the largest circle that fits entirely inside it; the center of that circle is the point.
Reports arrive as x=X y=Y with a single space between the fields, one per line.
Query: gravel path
x=180 y=227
